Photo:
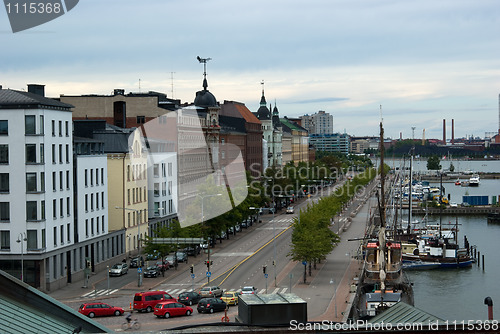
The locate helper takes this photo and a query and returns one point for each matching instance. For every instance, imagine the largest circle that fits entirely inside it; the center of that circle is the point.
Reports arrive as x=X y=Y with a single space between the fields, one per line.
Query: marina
x=459 y=293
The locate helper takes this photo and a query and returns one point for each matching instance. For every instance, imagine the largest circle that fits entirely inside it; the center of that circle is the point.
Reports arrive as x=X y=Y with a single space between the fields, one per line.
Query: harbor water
x=458 y=294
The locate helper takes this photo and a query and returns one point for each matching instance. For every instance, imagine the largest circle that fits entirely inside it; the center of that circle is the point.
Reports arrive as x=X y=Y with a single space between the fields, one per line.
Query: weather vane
x=204 y=62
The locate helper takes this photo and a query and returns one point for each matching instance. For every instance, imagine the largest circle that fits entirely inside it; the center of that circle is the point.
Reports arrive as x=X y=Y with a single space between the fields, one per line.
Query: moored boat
x=474 y=180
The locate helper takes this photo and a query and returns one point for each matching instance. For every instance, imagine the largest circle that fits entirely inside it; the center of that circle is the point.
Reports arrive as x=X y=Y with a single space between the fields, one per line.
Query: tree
x=433 y=163
x=452 y=168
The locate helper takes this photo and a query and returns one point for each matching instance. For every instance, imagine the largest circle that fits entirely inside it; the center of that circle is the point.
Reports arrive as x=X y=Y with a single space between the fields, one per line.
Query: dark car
x=182 y=257
x=189 y=298
x=153 y=271
x=99 y=309
x=211 y=305
x=192 y=251
x=137 y=261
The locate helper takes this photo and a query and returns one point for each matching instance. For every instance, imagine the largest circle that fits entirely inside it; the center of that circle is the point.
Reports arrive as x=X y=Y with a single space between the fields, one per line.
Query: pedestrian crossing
x=99 y=293
x=173 y=292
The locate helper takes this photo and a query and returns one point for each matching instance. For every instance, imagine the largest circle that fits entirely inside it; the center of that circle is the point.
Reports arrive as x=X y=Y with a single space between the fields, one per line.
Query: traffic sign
x=139 y=270
x=209 y=274
x=266 y=275
x=192 y=275
x=304 y=262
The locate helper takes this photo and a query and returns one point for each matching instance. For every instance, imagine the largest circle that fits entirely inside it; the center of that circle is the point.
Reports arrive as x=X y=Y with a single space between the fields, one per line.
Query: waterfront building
x=336 y=142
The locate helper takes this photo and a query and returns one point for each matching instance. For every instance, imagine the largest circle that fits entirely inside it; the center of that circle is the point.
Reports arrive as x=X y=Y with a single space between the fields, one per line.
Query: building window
x=54 y=209
x=163 y=170
x=128 y=196
x=86 y=178
x=170 y=187
x=91 y=177
x=4 y=154
x=55 y=238
x=67 y=129
x=97 y=176
x=31 y=153
x=102 y=199
x=102 y=224
x=141 y=119
x=53 y=153
x=29 y=125
x=102 y=175
x=86 y=203
x=60 y=128
x=4 y=183
x=42 y=154
x=156 y=172
x=169 y=169
x=61 y=179
x=67 y=153
x=91 y=202
x=60 y=154
x=42 y=181
x=68 y=206
x=67 y=180
x=4 y=127
x=128 y=173
x=164 y=189
x=5 y=240
x=156 y=192
x=42 y=210
x=31 y=210
x=92 y=226
x=61 y=207
x=54 y=186
x=42 y=125
x=97 y=201
x=68 y=232
x=4 y=211
x=44 y=239
x=53 y=128
x=86 y=227
x=32 y=242
x=30 y=182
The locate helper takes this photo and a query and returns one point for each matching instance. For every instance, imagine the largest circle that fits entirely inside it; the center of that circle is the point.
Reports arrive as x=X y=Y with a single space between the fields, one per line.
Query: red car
x=171 y=309
x=99 y=309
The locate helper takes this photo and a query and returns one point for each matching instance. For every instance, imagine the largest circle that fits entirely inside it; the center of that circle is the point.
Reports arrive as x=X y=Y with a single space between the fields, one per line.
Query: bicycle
x=134 y=324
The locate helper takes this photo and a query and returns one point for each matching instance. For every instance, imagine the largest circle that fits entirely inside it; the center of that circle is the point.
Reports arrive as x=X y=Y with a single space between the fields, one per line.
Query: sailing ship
x=382 y=282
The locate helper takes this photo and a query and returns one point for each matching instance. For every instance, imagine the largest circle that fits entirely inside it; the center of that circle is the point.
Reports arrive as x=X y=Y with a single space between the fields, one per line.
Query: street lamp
x=22 y=237
x=202 y=222
x=274 y=232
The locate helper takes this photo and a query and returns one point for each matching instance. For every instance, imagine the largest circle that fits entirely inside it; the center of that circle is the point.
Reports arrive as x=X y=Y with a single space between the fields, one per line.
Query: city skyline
x=422 y=62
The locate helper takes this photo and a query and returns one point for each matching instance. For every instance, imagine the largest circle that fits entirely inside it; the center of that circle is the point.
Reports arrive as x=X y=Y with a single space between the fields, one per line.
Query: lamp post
x=202 y=222
x=20 y=238
x=274 y=232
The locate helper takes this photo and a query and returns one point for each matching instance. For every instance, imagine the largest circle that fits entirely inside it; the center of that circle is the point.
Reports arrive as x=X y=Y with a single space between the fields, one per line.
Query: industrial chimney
x=452 y=131
x=444 y=131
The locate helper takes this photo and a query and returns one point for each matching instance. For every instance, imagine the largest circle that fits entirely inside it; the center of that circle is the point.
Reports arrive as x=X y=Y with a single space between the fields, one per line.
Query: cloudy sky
x=423 y=61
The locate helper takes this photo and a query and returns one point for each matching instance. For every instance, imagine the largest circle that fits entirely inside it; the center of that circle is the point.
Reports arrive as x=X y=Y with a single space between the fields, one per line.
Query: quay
x=460 y=211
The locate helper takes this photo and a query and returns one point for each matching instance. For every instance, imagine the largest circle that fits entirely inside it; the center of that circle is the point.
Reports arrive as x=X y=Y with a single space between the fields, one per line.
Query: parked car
x=249 y=290
x=146 y=301
x=171 y=309
x=152 y=271
x=98 y=309
x=453 y=205
x=182 y=257
x=118 y=269
x=211 y=305
x=211 y=291
x=153 y=256
x=290 y=209
x=170 y=259
x=189 y=298
x=136 y=262
x=192 y=251
x=165 y=265
x=230 y=297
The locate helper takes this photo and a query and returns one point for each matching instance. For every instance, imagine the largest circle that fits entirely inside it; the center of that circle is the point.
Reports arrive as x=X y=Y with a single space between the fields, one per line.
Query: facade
x=271 y=133
x=235 y=117
x=335 y=142
x=300 y=140
x=318 y=123
x=43 y=247
x=358 y=146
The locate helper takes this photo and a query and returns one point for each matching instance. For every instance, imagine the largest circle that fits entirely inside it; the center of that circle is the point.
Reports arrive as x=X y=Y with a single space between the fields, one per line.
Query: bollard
x=488 y=301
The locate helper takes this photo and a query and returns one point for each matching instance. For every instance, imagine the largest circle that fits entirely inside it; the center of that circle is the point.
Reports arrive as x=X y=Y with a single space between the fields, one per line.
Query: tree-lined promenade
x=312 y=237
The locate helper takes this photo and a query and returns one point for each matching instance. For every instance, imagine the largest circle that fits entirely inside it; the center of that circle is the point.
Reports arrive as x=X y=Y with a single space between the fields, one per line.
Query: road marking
x=232 y=254
x=262 y=291
x=96 y=293
x=284 y=290
x=276 y=290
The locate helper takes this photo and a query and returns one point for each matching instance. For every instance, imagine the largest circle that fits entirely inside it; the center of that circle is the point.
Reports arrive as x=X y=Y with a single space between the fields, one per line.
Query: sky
x=411 y=63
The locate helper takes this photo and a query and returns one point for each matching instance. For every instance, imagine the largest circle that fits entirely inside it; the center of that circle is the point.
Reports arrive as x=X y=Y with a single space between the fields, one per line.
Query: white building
x=38 y=231
x=318 y=123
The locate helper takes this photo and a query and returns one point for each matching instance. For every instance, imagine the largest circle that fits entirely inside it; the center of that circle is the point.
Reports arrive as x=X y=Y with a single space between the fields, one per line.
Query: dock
x=458 y=211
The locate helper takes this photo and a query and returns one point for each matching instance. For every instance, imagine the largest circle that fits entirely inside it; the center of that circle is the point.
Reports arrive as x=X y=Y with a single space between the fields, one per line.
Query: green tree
x=452 y=168
x=433 y=163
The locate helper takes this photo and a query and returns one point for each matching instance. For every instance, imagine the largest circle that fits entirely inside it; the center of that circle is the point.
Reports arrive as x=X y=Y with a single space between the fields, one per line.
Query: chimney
x=452 y=131
x=36 y=89
x=444 y=131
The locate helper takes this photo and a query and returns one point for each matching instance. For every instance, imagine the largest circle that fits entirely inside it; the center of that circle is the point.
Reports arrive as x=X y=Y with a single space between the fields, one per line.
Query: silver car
x=118 y=269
